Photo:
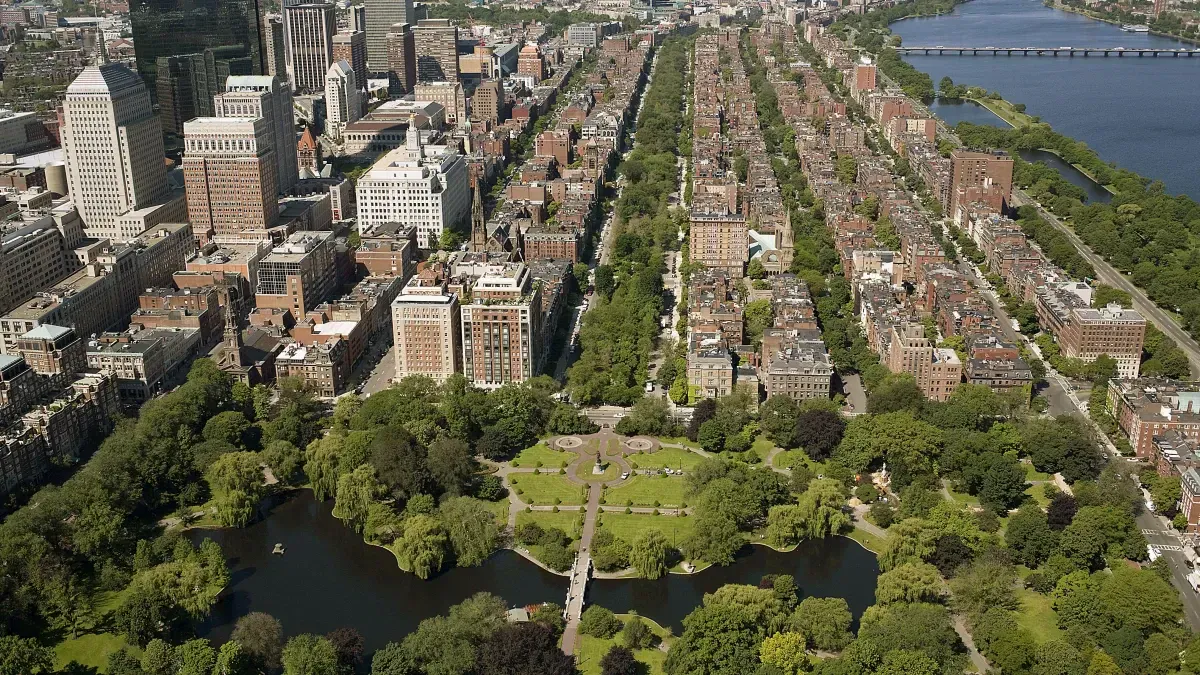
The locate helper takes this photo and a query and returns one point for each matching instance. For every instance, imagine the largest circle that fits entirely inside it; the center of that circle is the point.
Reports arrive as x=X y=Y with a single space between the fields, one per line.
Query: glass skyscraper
x=164 y=28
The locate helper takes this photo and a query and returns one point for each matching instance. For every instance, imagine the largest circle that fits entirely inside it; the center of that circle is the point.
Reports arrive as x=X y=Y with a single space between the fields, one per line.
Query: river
x=1135 y=112
x=328 y=578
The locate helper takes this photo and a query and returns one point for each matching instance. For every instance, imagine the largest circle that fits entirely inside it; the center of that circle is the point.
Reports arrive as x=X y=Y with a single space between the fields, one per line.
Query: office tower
x=352 y=48
x=358 y=18
x=449 y=94
x=176 y=27
x=267 y=97
x=529 y=62
x=187 y=84
x=310 y=29
x=502 y=327
x=436 y=42
x=382 y=15
x=406 y=186
x=341 y=99
x=229 y=171
x=487 y=105
x=401 y=59
x=299 y=274
x=274 y=41
x=112 y=146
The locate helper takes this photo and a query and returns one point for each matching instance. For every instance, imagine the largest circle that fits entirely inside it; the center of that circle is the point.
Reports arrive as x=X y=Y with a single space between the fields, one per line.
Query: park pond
x=329 y=578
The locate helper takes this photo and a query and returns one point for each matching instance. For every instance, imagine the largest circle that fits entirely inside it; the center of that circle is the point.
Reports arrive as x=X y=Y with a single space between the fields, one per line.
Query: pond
x=328 y=578
x=1095 y=192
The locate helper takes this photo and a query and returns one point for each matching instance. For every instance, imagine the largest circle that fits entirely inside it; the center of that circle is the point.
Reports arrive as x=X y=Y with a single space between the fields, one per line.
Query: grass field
x=680 y=440
x=676 y=458
x=628 y=526
x=789 y=458
x=868 y=540
x=762 y=447
x=1032 y=474
x=545 y=488
x=1037 y=616
x=549 y=457
x=584 y=471
x=499 y=509
x=645 y=490
x=569 y=522
x=592 y=649
x=92 y=649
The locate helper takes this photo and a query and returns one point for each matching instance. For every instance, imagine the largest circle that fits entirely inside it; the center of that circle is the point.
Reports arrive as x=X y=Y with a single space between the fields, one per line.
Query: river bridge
x=940 y=50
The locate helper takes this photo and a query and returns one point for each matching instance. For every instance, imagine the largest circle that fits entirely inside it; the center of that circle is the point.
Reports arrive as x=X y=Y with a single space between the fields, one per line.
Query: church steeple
x=479 y=234
x=233 y=332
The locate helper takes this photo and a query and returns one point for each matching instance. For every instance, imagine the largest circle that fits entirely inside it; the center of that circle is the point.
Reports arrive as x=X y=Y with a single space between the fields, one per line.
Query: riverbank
x=1083 y=12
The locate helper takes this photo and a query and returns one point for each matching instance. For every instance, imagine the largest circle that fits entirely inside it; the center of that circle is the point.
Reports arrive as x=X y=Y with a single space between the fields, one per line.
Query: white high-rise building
x=419 y=185
x=267 y=97
x=310 y=28
x=113 y=148
x=342 y=100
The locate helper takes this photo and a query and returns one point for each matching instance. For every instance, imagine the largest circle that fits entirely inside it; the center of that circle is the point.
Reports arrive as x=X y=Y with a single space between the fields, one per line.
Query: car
x=624 y=475
x=649 y=387
x=669 y=471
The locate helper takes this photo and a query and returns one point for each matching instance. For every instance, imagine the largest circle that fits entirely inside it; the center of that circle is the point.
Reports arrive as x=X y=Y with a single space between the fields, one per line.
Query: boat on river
x=1135 y=28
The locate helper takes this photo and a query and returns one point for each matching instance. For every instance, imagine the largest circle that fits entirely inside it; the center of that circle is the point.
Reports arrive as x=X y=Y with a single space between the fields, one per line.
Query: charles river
x=1139 y=113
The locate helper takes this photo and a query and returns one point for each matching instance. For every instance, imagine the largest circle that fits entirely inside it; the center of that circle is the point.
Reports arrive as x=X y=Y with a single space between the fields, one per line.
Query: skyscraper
x=381 y=16
x=351 y=47
x=229 y=170
x=175 y=27
x=113 y=147
x=436 y=43
x=266 y=97
x=274 y=41
x=341 y=98
x=310 y=28
x=187 y=83
x=401 y=59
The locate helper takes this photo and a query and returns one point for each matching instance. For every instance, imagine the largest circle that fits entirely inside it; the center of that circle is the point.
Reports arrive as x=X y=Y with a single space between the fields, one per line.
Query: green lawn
x=676 y=458
x=1037 y=493
x=628 y=526
x=645 y=490
x=612 y=470
x=1037 y=616
x=679 y=440
x=762 y=447
x=1033 y=474
x=868 y=540
x=789 y=458
x=541 y=452
x=545 y=488
x=592 y=649
x=499 y=509
x=567 y=521
x=92 y=649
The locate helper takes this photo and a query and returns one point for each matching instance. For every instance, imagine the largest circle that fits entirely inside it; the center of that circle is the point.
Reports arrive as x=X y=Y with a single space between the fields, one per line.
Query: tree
x=915 y=627
x=1064 y=445
x=784 y=651
x=649 y=554
x=908 y=662
x=605 y=280
x=896 y=392
x=309 y=654
x=1103 y=664
x=619 y=660
x=229 y=426
x=262 y=637
x=704 y=411
x=237 y=484
x=530 y=648
x=599 y=622
x=777 y=419
x=320 y=464
x=357 y=491
x=985 y=583
x=285 y=461
x=1003 y=486
x=158 y=658
x=196 y=657
x=714 y=539
x=232 y=659
x=825 y=622
x=423 y=545
x=712 y=436
x=400 y=463
x=818 y=432
x=550 y=614
x=472 y=528
x=24 y=656
x=348 y=645
x=636 y=634
x=910 y=582
x=1139 y=599
x=1061 y=511
x=452 y=464
x=716 y=639
x=1059 y=658
x=1029 y=536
